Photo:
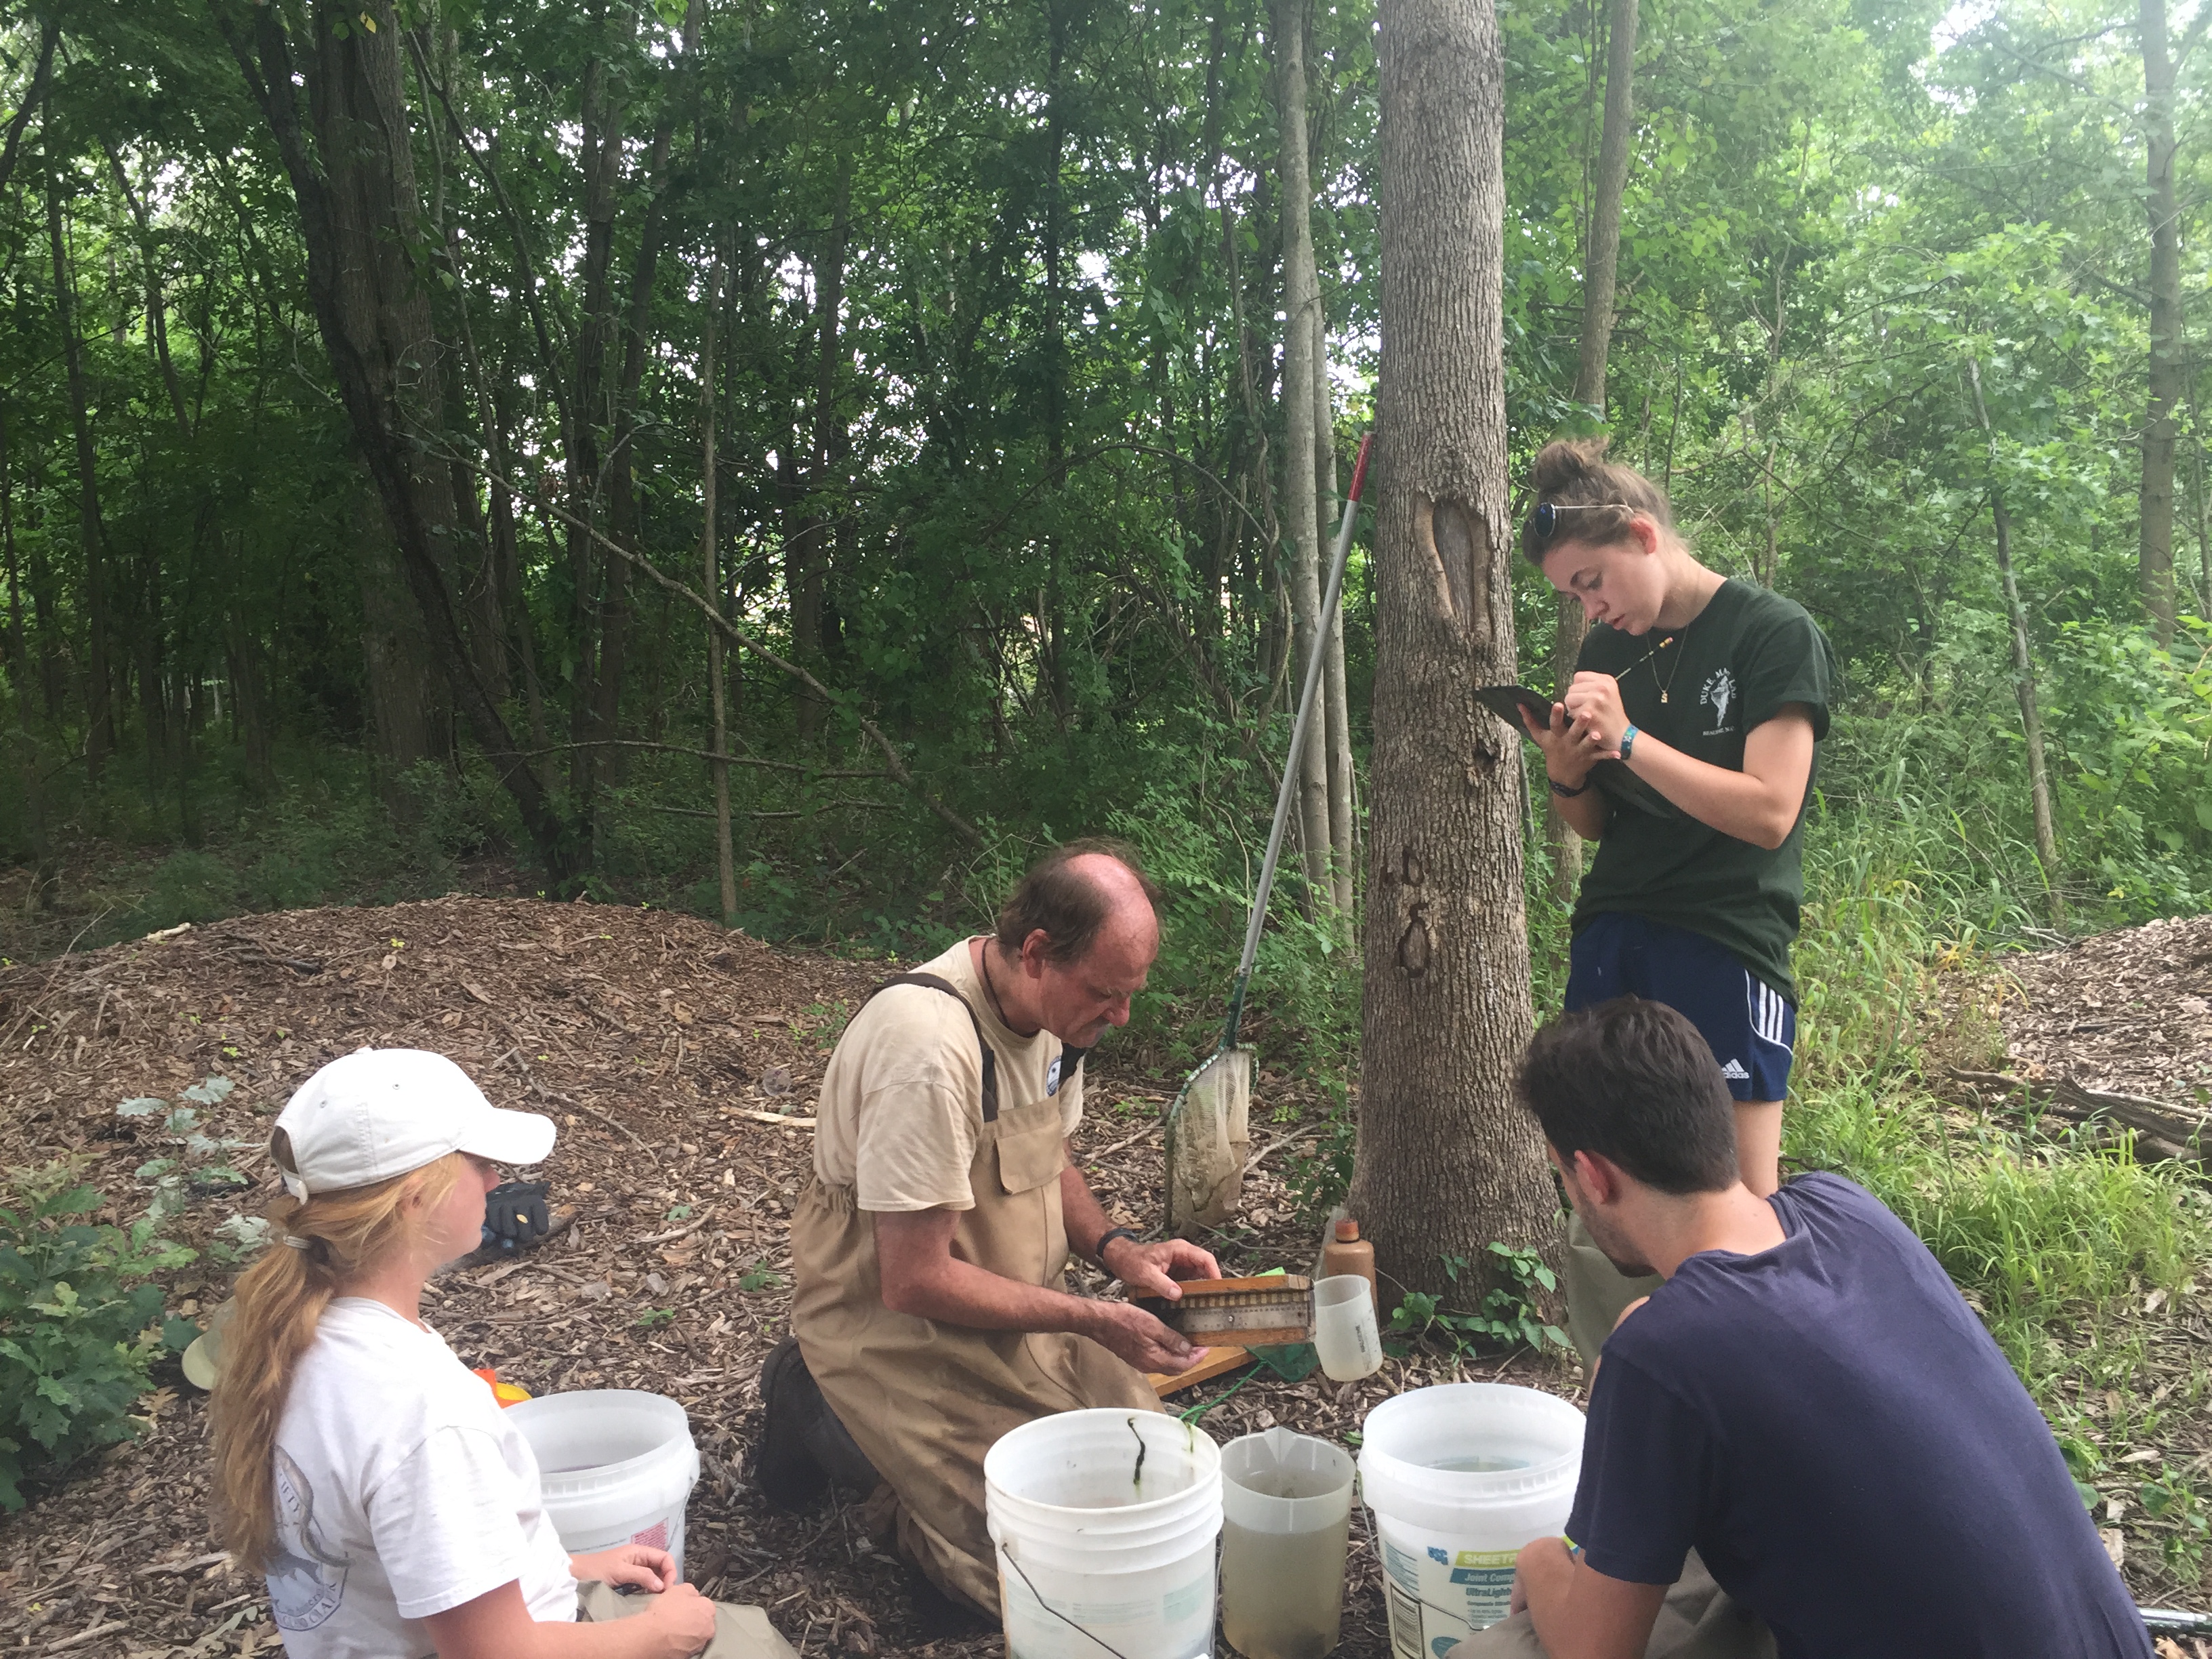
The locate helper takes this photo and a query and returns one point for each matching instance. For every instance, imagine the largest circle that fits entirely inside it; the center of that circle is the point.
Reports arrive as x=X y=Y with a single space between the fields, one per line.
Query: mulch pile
x=650 y=1037
x=2127 y=1012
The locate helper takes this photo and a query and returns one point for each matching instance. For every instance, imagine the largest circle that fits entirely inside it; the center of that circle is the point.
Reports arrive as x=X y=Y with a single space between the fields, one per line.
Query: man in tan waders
x=929 y=1311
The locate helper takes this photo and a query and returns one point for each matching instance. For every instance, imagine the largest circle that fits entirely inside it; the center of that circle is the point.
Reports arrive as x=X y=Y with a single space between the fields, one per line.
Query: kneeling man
x=929 y=1306
x=1806 y=1401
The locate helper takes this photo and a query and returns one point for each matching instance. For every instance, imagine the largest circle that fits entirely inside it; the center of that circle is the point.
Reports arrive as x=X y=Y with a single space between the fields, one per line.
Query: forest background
x=947 y=355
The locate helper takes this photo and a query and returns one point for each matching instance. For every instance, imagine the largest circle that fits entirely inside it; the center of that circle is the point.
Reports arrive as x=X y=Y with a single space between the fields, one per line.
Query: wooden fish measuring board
x=1249 y=1313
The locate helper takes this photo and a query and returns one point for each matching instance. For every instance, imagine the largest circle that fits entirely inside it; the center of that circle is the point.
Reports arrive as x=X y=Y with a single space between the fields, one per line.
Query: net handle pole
x=1298 y=729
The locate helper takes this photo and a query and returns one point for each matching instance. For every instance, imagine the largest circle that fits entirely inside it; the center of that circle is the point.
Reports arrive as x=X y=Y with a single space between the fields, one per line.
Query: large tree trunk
x=2154 y=554
x=1448 y=1161
x=353 y=179
x=1301 y=488
x=1601 y=263
x=2023 y=671
x=99 y=712
x=409 y=716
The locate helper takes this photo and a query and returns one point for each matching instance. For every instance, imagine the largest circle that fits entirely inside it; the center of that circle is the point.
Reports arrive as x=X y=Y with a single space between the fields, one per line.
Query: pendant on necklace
x=1663 y=695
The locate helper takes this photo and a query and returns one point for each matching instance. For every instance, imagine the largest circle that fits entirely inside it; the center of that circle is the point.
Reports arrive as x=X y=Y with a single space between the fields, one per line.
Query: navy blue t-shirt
x=1832 y=1429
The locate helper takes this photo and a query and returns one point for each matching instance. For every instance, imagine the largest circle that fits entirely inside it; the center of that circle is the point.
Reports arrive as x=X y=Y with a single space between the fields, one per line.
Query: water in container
x=1286 y=1511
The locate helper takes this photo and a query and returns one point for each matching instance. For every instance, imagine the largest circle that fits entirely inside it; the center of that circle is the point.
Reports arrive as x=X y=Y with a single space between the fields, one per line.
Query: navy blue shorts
x=1748 y=1025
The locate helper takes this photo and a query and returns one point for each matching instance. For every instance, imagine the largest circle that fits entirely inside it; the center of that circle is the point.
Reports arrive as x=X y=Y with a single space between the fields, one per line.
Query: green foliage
x=1509 y=1316
x=653 y=1318
x=78 y=1318
x=2178 y=1510
x=757 y=1278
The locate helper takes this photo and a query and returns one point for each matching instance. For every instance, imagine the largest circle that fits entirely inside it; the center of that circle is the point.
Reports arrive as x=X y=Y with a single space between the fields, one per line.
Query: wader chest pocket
x=1031 y=1142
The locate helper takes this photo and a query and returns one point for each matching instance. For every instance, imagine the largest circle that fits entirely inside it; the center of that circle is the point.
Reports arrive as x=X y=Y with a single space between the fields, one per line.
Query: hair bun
x=1566 y=461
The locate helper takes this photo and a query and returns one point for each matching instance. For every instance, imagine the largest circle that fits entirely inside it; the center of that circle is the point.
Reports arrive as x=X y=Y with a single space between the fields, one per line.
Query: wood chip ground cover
x=658 y=1041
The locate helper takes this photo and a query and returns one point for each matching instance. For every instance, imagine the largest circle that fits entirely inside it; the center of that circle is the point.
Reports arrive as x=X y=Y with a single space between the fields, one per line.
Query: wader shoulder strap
x=990 y=1059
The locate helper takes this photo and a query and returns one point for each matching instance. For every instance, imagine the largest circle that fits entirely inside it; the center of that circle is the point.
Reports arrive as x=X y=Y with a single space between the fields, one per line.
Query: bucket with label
x=1105 y=1522
x=1459 y=1477
x=617 y=1466
x=1286 y=1515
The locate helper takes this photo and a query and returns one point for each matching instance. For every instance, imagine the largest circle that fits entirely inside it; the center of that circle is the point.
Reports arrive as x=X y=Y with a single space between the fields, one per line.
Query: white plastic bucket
x=1105 y=1524
x=1460 y=1477
x=617 y=1466
x=1286 y=1516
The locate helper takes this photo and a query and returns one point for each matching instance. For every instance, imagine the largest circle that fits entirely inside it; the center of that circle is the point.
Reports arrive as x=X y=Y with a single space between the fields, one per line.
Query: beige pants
x=1697 y=1621
x=1596 y=1292
x=740 y=1632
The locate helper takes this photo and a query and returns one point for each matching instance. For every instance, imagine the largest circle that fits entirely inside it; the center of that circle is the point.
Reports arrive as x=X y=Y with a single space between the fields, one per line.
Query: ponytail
x=330 y=1240
x=1574 y=472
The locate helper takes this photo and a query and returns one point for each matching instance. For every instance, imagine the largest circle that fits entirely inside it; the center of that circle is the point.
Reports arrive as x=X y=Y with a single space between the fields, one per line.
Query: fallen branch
x=2172 y=1131
x=684 y=1231
x=789 y=1121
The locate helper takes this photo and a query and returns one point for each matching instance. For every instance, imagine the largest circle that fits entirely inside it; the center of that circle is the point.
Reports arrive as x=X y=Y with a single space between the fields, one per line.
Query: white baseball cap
x=377 y=1112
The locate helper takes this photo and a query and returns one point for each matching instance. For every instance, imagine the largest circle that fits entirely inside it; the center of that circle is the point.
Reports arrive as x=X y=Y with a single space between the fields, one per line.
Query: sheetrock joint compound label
x=1438 y=1596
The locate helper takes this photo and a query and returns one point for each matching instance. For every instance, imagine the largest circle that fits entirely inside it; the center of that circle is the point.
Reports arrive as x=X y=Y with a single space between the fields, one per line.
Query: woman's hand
x=683 y=1621
x=1568 y=752
x=1593 y=704
x=640 y=1565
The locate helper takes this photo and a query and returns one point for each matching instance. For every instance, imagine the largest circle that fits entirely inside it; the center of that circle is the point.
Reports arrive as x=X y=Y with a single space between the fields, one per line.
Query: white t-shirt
x=402 y=1491
x=900 y=1113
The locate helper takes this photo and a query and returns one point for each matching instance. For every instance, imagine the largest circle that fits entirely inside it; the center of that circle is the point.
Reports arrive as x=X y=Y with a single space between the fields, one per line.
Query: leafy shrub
x=76 y=1320
x=1509 y=1315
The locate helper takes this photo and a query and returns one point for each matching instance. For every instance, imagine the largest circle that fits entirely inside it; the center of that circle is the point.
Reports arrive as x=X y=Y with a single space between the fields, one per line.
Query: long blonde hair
x=279 y=1303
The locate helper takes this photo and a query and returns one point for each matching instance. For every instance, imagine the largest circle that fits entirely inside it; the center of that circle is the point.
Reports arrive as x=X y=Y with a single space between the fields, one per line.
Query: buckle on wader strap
x=1070 y=1061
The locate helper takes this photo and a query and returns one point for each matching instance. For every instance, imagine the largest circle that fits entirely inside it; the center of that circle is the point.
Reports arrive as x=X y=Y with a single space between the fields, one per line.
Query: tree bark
x=1343 y=803
x=808 y=531
x=409 y=717
x=2154 y=553
x=2023 y=669
x=1448 y=1161
x=1301 y=487
x=354 y=181
x=98 y=714
x=1600 y=268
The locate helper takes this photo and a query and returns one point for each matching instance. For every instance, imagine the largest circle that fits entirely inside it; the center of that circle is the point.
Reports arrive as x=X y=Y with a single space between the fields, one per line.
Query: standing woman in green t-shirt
x=1713 y=692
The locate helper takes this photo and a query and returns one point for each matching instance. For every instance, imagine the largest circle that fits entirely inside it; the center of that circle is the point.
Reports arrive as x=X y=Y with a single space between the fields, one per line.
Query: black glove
x=515 y=1215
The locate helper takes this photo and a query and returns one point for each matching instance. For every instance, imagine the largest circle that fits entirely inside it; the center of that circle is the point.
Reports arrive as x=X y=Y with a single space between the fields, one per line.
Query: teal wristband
x=1627 y=743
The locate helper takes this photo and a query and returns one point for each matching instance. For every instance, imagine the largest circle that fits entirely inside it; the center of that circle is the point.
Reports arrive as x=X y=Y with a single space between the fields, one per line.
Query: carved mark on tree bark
x=1415 y=944
x=1452 y=537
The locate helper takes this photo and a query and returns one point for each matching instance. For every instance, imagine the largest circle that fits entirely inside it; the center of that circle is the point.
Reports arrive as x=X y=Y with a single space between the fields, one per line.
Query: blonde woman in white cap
x=359 y=1465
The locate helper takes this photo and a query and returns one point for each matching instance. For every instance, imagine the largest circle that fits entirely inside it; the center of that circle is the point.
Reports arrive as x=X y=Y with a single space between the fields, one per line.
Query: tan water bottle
x=1347 y=1252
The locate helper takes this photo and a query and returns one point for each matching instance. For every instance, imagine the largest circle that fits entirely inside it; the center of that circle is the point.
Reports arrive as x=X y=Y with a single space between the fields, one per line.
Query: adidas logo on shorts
x=1734 y=1071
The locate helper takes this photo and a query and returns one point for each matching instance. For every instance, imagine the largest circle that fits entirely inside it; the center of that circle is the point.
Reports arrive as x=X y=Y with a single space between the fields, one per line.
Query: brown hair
x=1067 y=905
x=279 y=1303
x=1574 y=472
x=1634 y=1082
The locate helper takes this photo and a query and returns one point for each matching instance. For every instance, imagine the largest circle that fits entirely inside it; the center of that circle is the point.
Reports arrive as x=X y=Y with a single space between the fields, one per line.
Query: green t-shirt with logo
x=1746 y=654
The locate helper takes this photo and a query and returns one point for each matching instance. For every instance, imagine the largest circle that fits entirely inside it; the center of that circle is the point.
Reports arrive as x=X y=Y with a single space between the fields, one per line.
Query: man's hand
x=515 y=1212
x=1153 y=1269
x=640 y=1565
x=1130 y=1333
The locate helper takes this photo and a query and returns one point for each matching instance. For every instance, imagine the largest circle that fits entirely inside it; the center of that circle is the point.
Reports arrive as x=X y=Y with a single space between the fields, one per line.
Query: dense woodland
x=966 y=362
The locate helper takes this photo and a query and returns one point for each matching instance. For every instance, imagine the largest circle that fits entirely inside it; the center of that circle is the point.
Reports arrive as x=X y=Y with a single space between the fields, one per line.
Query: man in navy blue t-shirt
x=1806 y=1401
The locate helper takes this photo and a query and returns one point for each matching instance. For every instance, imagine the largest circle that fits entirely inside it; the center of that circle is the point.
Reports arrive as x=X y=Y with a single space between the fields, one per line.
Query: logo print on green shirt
x=1720 y=692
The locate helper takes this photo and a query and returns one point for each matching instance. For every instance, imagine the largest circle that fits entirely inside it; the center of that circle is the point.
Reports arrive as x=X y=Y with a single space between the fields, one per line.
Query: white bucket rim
x=570 y=1401
x=1204 y=1489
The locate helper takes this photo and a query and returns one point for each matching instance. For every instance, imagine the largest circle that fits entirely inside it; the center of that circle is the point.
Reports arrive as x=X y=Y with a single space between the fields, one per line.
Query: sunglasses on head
x=1546 y=518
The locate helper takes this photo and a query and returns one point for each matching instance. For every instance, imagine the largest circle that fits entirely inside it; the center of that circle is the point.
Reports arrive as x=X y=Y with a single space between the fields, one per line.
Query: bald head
x=1078 y=897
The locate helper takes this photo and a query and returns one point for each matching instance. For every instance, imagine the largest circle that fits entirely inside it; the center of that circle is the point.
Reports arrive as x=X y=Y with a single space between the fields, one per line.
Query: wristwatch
x=1099 y=1250
x=1627 y=743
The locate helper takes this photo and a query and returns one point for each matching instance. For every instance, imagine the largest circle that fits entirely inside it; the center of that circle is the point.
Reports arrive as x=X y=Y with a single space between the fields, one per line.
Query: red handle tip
x=1359 y=467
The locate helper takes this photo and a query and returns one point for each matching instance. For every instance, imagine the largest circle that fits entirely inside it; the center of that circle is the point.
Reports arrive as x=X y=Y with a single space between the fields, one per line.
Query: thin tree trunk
x=19 y=654
x=2023 y=669
x=710 y=589
x=1343 y=805
x=157 y=312
x=807 y=539
x=1599 y=273
x=2154 y=554
x=99 y=716
x=1448 y=1161
x=1301 y=490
